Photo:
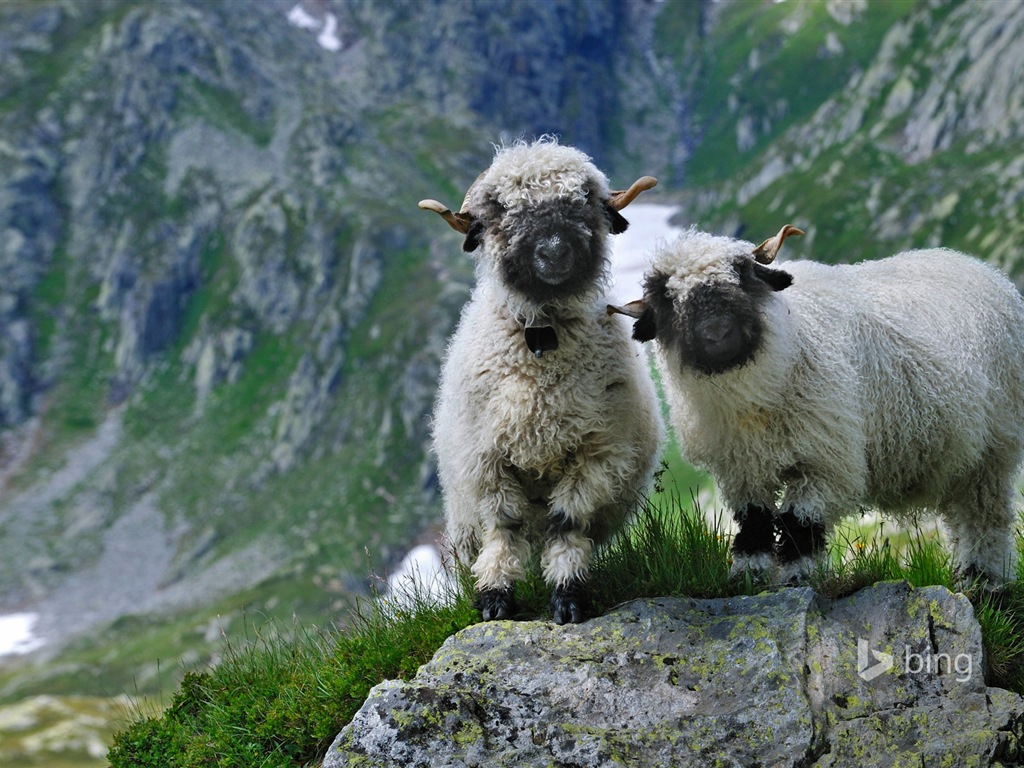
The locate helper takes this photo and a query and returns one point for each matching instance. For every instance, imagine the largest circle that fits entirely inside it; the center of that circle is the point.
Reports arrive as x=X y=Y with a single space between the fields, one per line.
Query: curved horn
x=766 y=252
x=634 y=309
x=620 y=199
x=458 y=221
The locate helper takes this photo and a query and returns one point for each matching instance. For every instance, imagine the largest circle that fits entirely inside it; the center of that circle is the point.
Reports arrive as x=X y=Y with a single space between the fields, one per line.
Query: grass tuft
x=279 y=700
x=859 y=558
x=670 y=549
x=1001 y=616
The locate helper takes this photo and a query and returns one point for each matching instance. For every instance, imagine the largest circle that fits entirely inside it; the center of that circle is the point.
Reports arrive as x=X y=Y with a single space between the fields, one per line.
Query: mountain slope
x=920 y=146
x=212 y=387
x=222 y=316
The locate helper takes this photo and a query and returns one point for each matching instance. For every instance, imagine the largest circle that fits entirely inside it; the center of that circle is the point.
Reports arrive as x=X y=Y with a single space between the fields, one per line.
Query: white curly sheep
x=546 y=427
x=810 y=390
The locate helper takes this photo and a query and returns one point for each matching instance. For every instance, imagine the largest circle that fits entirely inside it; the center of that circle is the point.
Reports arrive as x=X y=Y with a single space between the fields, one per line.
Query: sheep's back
x=938 y=341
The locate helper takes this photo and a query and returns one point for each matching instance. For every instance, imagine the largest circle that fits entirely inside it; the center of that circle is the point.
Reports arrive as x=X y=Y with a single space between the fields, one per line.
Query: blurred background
x=222 y=315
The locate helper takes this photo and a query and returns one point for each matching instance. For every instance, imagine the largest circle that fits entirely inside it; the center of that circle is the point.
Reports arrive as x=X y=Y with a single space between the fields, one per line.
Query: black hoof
x=570 y=604
x=495 y=604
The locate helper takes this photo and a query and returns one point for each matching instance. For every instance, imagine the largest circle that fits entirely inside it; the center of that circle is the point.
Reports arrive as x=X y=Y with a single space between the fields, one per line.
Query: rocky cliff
x=891 y=676
x=919 y=147
x=221 y=314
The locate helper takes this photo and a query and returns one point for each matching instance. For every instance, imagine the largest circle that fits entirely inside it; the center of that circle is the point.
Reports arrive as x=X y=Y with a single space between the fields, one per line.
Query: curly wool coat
x=897 y=384
x=548 y=443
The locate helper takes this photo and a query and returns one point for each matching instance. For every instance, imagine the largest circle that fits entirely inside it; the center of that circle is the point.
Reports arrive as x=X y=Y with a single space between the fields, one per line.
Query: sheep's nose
x=552 y=250
x=720 y=338
x=551 y=259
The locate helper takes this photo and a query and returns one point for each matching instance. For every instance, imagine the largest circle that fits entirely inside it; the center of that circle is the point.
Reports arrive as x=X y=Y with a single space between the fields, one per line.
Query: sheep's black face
x=721 y=328
x=553 y=249
x=717 y=326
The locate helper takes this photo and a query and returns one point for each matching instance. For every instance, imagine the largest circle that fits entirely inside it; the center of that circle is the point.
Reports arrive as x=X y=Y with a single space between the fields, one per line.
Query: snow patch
x=327 y=27
x=16 y=635
x=328 y=37
x=631 y=251
x=421 y=577
x=298 y=17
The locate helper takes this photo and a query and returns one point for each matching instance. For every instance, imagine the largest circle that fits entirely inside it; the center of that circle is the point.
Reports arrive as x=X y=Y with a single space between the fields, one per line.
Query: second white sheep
x=810 y=391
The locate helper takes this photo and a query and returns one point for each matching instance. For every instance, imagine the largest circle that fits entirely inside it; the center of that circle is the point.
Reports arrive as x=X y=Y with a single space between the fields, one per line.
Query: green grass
x=279 y=698
x=46 y=301
x=274 y=703
x=76 y=404
x=221 y=108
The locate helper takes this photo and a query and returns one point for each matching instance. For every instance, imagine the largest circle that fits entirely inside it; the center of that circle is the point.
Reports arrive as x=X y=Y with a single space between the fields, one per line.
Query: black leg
x=798 y=539
x=570 y=603
x=495 y=604
x=757 y=531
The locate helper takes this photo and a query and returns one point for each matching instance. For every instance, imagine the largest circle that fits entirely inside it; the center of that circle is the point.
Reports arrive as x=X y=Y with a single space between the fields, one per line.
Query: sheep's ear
x=645 y=328
x=617 y=221
x=776 y=279
x=472 y=241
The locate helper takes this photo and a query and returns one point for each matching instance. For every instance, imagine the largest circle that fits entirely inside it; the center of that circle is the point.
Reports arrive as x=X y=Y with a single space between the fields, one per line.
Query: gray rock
x=889 y=676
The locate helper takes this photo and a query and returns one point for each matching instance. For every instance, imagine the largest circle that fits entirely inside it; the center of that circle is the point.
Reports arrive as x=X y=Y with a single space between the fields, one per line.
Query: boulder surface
x=890 y=676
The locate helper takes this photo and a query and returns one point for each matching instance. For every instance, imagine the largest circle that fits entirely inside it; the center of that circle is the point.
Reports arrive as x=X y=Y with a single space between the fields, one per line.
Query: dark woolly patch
x=659 y=312
x=473 y=236
x=560 y=522
x=616 y=221
x=798 y=539
x=776 y=279
x=717 y=327
x=645 y=328
x=495 y=604
x=721 y=328
x=757 y=531
x=570 y=604
x=509 y=523
x=552 y=250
